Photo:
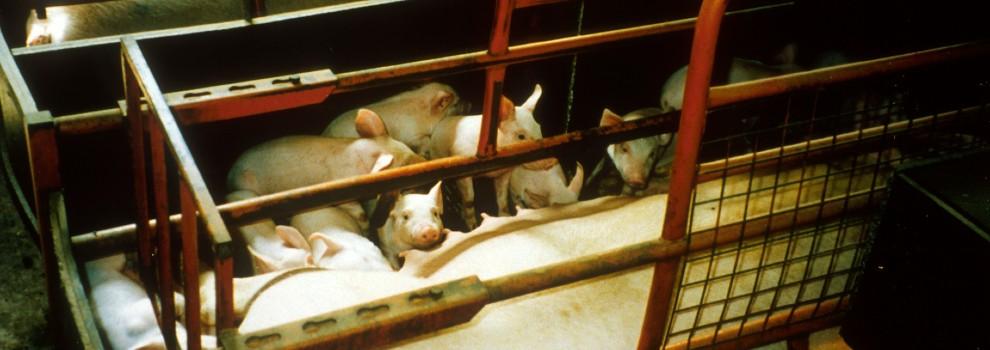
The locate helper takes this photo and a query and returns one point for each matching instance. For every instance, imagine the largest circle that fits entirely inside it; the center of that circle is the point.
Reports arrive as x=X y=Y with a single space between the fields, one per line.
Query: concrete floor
x=23 y=303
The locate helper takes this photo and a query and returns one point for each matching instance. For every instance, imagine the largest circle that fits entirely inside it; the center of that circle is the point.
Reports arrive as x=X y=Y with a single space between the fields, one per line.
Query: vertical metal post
x=684 y=170
x=164 y=256
x=494 y=78
x=43 y=158
x=190 y=265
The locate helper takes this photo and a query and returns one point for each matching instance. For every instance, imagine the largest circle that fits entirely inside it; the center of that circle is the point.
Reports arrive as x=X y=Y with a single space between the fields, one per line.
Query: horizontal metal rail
x=229 y=101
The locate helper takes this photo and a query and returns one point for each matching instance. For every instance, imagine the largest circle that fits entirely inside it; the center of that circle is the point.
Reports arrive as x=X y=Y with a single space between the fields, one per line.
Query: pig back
x=297 y=161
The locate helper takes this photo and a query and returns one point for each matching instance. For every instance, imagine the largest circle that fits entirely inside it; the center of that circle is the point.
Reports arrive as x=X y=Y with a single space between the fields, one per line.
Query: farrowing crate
x=782 y=265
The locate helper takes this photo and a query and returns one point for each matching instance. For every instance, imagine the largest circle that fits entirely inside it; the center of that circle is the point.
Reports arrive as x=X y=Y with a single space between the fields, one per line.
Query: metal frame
x=311 y=87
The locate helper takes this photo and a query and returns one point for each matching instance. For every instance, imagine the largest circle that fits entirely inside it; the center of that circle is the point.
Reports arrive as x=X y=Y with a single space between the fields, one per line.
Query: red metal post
x=683 y=172
x=164 y=257
x=224 y=269
x=190 y=265
x=494 y=78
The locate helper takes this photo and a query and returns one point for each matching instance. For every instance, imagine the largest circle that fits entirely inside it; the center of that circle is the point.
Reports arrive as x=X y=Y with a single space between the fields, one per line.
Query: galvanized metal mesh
x=831 y=193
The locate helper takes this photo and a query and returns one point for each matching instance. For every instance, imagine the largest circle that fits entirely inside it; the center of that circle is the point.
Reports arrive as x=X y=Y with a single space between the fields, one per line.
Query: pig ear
x=369 y=124
x=507 y=111
x=437 y=194
x=441 y=101
x=530 y=103
x=383 y=161
x=322 y=246
x=292 y=237
x=609 y=118
x=577 y=181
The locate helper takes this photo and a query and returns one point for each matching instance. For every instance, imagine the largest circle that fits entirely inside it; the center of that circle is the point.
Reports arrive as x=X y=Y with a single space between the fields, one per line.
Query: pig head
x=414 y=222
x=637 y=159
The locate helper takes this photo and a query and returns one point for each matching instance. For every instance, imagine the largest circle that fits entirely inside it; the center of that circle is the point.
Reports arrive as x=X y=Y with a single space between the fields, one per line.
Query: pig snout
x=637 y=181
x=426 y=235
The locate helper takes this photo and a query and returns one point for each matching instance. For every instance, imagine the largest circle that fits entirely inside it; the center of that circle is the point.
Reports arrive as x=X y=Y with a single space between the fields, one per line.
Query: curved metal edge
x=14 y=88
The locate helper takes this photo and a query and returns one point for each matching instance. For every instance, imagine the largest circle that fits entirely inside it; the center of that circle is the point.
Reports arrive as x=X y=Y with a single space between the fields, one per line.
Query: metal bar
x=180 y=151
x=79 y=310
x=44 y=162
x=753 y=89
x=190 y=265
x=159 y=181
x=220 y=102
x=498 y=44
x=90 y=122
x=132 y=93
x=683 y=169
x=13 y=86
x=530 y=3
x=488 y=135
x=222 y=246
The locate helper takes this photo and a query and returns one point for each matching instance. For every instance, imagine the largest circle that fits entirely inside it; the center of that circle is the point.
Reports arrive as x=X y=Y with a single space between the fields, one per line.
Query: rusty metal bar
x=220 y=102
x=132 y=93
x=683 y=169
x=190 y=265
x=753 y=89
x=159 y=184
x=43 y=159
x=137 y=69
x=498 y=45
x=530 y=3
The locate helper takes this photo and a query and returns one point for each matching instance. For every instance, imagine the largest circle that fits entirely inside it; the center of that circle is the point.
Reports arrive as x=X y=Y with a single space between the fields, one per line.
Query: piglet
x=334 y=240
x=637 y=160
x=297 y=161
x=124 y=311
x=543 y=188
x=459 y=136
x=413 y=223
x=409 y=116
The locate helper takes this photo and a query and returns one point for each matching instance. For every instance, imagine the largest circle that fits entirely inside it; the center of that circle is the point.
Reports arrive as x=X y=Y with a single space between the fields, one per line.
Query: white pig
x=637 y=160
x=297 y=161
x=544 y=188
x=414 y=222
x=124 y=311
x=459 y=136
x=335 y=241
x=409 y=116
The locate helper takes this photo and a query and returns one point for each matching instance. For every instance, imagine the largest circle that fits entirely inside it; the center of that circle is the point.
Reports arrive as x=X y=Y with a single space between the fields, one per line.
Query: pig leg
x=502 y=193
x=466 y=187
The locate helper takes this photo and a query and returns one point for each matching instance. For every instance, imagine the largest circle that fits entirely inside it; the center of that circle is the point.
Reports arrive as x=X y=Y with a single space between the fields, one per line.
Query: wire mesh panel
x=820 y=161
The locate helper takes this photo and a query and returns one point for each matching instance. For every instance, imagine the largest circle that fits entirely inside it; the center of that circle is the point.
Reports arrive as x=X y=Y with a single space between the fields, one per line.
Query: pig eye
x=520 y=136
x=405 y=217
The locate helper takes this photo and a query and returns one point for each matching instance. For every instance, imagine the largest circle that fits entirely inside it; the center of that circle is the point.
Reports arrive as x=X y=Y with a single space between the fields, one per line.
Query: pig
x=409 y=116
x=124 y=311
x=544 y=188
x=334 y=240
x=100 y=19
x=297 y=161
x=458 y=136
x=414 y=222
x=637 y=160
x=740 y=70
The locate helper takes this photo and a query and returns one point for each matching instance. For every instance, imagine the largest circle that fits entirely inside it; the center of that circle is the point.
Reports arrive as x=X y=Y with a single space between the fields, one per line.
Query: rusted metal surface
x=163 y=256
x=683 y=168
x=530 y=3
x=16 y=102
x=220 y=102
x=79 y=311
x=373 y=324
x=727 y=94
x=90 y=122
x=498 y=45
x=224 y=272
x=44 y=161
x=139 y=174
x=665 y=273
x=190 y=265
